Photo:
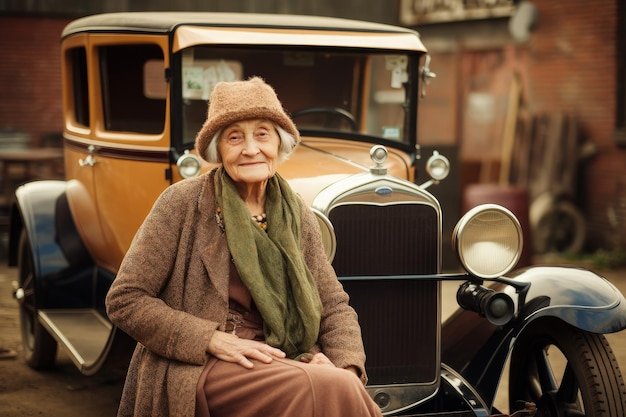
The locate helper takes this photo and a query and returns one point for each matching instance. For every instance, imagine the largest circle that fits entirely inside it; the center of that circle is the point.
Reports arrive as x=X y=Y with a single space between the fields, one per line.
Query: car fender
x=42 y=211
x=34 y=211
x=579 y=297
x=576 y=295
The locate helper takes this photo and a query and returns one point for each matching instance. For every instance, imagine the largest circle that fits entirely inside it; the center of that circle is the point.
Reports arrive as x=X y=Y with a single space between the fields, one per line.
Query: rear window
x=127 y=104
x=80 y=92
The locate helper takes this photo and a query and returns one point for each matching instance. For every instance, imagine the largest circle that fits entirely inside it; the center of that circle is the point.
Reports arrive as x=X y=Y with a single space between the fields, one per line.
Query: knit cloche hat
x=242 y=100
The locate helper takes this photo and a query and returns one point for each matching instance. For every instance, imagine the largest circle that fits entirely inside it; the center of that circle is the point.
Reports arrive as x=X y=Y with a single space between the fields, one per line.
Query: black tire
x=40 y=349
x=590 y=383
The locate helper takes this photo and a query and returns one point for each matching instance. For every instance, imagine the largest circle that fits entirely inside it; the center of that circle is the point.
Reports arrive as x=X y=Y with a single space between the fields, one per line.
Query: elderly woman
x=227 y=289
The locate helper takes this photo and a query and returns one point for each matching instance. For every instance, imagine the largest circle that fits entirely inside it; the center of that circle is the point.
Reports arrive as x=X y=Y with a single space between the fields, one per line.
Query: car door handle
x=90 y=160
x=87 y=162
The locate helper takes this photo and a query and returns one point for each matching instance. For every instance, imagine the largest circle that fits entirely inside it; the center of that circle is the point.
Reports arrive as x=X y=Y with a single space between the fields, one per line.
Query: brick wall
x=30 y=75
x=569 y=64
x=572 y=67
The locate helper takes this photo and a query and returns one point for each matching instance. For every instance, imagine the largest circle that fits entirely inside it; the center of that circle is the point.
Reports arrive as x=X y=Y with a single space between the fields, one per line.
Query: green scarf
x=271 y=264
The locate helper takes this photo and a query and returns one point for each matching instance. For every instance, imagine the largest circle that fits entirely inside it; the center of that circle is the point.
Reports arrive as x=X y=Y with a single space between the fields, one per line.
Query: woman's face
x=249 y=150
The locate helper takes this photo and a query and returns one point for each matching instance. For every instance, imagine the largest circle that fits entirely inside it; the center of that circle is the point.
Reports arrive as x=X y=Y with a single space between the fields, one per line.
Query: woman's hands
x=230 y=348
x=317 y=359
x=321 y=359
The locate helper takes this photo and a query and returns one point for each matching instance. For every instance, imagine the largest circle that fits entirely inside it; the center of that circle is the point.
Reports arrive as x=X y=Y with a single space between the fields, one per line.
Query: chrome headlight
x=328 y=234
x=188 y=165
x=438 y=166
x=488 y=240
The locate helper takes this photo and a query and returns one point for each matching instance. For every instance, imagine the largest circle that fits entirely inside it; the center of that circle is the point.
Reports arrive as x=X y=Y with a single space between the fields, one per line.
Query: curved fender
x=42 y=210
x=577 y=296
x=34 y=210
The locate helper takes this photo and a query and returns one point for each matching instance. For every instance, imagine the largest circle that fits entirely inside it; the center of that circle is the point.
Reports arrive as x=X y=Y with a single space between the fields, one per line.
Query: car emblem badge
x=383 y=190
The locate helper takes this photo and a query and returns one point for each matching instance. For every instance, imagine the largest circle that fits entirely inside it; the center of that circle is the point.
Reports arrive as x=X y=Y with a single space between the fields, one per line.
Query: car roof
x=165 y=22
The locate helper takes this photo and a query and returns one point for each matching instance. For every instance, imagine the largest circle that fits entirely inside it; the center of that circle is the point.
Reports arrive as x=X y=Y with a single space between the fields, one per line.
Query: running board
x=84 y=333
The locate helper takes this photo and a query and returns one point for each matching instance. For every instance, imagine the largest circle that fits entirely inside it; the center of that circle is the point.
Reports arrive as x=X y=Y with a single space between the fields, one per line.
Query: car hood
x=317 y=163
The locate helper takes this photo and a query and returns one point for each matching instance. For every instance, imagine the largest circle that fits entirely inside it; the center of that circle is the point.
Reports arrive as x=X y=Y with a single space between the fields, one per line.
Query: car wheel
x=556 y=225
x=566 y=372
x=40 y=348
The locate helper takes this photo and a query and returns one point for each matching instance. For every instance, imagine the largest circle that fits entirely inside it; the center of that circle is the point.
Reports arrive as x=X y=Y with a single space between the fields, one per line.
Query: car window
x=336 y=90
x=80 y=92
x=127 y=104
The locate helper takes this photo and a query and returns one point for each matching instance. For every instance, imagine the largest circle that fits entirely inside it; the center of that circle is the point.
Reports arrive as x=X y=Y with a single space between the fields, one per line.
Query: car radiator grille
x=399 y=316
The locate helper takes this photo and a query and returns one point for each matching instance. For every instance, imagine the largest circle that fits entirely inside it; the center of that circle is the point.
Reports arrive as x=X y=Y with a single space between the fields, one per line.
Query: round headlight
x=438 y=166
x=488 y=240
x=188 y=165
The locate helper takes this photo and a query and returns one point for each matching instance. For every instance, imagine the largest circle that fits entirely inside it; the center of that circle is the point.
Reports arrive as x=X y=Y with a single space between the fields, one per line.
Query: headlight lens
x=488 y=240
x=188 y=165
x=438 y=166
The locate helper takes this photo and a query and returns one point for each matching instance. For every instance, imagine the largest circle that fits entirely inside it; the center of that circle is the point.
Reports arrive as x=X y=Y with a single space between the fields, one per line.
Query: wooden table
x=27 y=159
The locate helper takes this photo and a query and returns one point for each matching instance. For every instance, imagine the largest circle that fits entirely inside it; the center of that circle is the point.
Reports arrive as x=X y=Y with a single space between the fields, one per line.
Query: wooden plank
x=508 y=136
x=538 y=134
x=566 y=183
x=553 y=155
x=520 y=159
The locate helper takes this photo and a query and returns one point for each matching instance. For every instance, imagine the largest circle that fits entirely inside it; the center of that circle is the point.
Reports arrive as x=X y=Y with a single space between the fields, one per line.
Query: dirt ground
x=64 y=392
x=61 y=392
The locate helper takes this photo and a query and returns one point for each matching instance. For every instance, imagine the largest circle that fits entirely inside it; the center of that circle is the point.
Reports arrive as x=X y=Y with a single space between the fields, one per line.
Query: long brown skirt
x=282 y=388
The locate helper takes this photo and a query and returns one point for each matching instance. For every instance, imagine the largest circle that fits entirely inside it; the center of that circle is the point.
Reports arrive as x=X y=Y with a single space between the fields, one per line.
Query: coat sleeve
x=340 y=333
x=134 y=302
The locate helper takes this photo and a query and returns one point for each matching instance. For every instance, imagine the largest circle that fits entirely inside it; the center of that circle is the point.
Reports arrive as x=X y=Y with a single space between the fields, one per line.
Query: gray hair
x=287 y=145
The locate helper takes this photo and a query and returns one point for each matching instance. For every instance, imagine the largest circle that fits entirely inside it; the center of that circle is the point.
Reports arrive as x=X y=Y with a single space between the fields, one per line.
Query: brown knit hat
x=242 y=100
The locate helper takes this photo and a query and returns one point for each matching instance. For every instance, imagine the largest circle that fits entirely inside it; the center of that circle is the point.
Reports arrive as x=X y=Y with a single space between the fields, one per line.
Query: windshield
x=325 y=91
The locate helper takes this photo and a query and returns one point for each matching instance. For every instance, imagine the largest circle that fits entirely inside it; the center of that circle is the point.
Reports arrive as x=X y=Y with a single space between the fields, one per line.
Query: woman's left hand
x=318 y=359
x=321 y=359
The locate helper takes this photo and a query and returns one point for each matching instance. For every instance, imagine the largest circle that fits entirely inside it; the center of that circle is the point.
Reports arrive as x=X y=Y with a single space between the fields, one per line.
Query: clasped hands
x=230 y=348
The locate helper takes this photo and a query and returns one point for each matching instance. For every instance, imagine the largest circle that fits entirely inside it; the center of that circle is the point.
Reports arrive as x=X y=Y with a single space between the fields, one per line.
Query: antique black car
x=135 y=90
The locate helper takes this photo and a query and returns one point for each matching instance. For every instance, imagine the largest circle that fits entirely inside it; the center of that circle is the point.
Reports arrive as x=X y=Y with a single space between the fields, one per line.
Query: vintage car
x=135 y=90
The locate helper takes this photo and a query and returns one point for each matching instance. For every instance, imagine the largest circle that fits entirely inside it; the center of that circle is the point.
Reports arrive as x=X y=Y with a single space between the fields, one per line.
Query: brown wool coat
x=171 y=294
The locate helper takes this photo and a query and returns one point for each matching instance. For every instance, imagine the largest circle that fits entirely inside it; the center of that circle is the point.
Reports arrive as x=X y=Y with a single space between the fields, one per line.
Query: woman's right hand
x=230 y=348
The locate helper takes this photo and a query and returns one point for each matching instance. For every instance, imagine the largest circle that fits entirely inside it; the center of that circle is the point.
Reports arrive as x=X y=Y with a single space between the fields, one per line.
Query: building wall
x=568 y=64
x=384 y=11
x=30 y=74
x=572 y=67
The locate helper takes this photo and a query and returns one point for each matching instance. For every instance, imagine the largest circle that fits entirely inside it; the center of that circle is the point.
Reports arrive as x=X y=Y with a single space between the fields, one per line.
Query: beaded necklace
x=260 y=219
